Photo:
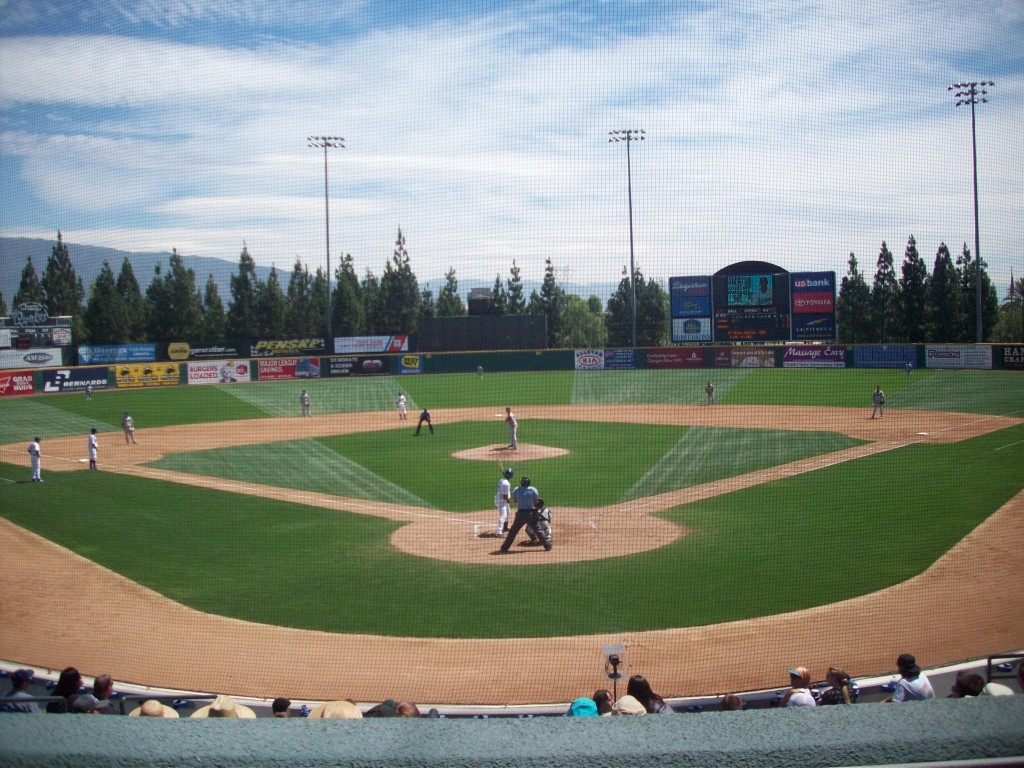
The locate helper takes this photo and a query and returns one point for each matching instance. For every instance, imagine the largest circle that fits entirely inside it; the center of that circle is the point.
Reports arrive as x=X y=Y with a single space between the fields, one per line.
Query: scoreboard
x=752 y=307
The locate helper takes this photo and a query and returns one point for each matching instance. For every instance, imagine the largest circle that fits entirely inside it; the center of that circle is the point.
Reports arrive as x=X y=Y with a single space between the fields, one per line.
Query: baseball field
x=242 y=548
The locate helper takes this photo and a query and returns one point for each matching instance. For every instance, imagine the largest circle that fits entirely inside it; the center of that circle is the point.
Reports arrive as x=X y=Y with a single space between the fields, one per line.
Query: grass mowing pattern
x=397 y=467
x=755 y=552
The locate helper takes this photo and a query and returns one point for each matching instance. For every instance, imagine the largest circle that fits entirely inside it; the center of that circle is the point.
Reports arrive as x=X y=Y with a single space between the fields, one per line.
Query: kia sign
x=589 y=359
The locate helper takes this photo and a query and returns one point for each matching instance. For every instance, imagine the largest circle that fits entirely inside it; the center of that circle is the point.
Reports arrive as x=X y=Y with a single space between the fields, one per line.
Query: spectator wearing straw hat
x=153 y=708
x=225 y=706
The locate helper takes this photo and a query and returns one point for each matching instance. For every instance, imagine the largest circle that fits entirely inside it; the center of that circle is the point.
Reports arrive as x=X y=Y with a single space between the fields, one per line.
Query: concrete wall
x=863 y=734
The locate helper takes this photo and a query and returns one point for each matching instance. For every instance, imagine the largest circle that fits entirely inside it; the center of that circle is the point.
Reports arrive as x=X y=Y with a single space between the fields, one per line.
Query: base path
x=102 y=622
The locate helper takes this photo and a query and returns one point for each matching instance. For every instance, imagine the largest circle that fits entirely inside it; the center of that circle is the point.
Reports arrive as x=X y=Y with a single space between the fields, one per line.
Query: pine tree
x=945 y=301
x=914 y=295
x=853 y=307
x=499 y=299
x=29 y=289
x=399 y=293
x=3 y=305
x=989 y=299
x=885 y=299
x=242 y=321
x=214 y=319
x=63 y=288
x=619 y=316
x=449 y=303
x=428 y=308
x=651 y=312
x=516 y=299
x=370 y=288
x=270 y=308
x=133 y=303
x=550 y=302
x=347 y=302
x=105 y=315
x=298 y=314
x=318 y=305
x=188 y=303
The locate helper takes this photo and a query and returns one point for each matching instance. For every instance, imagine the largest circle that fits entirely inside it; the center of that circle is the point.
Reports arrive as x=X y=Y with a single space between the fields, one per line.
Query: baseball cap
x=22 y=675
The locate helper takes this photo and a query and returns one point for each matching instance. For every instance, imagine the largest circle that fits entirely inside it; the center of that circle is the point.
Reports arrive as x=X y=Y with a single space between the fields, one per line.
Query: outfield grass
x=812 y=539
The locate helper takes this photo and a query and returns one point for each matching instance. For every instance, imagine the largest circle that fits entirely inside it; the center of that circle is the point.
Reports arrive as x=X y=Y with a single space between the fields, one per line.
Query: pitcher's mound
x=506 y=455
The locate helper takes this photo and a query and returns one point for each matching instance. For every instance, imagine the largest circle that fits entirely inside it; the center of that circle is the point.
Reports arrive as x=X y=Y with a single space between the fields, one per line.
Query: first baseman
x=94 y=447
x=501 y=501
x=513 y=428
x=36 y=453
x=128 y=425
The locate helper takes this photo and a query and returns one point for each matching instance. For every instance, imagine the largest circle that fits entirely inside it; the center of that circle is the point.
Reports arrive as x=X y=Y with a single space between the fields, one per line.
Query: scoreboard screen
x=751 y=307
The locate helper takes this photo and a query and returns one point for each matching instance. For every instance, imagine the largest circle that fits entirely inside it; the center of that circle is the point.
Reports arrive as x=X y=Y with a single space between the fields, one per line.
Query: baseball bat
x=500 y=466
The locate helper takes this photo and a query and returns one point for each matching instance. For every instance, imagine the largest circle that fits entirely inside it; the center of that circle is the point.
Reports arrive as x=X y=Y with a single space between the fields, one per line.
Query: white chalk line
x=1009 y=445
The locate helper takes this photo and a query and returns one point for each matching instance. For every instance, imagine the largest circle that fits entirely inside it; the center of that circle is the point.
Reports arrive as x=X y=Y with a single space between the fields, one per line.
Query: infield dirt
x=61 y=609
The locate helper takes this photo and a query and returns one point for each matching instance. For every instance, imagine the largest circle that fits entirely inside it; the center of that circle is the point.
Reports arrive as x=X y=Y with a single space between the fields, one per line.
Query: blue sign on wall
x=102 y=354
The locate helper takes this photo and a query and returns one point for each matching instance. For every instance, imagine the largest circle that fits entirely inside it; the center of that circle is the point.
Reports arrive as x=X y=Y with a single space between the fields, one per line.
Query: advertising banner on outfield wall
x=1013 y=358
x=749 y=357
x=223 y=372
x=356 y=365
x=288 y=368
x=104 y=354
x=589 y=359
x=829 y=356
x=884 y=356
x=691 y=329
x=308 y=347
x=30 y=358
x=679 y=357
x=16 y=383
x=184 y=350
x=350 y=345
x=154 y=375
x=814 y=327
x=73 y=379
x=620 y=359
x=975 y=357
x=410 y=364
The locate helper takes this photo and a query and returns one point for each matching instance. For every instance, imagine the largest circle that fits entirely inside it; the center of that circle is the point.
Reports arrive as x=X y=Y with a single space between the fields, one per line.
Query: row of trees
x=918 y=307
x=174 y=308
x=913 y=307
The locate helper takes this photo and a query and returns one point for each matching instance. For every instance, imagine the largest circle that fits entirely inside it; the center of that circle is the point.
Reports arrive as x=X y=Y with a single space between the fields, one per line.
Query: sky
x=790 y=132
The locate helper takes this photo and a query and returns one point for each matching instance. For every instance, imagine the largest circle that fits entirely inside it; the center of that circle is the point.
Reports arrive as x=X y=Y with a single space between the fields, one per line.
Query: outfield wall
x=134 y=375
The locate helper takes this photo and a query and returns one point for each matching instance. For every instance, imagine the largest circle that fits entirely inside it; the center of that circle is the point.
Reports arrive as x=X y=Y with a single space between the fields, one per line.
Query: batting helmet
x=525 y=481
x=509 y=473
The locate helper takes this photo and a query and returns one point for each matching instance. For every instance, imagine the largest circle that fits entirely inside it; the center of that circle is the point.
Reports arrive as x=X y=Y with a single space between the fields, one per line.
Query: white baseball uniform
x=94 y=445
x=400 y=405
x=36 y=454
x=513 y=430
x=501 y=502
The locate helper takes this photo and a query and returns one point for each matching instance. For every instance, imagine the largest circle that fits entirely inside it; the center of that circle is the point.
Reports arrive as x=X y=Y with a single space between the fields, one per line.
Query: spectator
x=385 y=709
x=338 y=710
x=629 y=705
x=969 y=684
x=799 y=693
x=280 y=707
x=912 y=685
x=583 y=707
x=640 y=690
x=839 y=691
x=604 y=701
x=225 y=706
x=153 y=708
x=732 y=703
x=68 y=685
x=89 y=704
x=407 y=709
x=19 y=685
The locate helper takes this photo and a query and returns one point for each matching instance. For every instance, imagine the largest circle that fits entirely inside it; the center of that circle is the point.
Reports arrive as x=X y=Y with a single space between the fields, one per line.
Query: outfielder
x=501 y=501
x=709 y=389
x=524 y=497
x=36 y=453
x=513 y=428
x=94 y=446
x=304 y=403
x=878 y=398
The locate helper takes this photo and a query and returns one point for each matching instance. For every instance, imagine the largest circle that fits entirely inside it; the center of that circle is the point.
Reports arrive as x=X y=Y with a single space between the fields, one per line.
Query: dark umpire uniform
x=524 y=497
x=424 y=419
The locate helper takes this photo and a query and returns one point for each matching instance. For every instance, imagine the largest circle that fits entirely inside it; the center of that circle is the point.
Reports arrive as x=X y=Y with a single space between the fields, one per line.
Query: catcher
x=539 y=527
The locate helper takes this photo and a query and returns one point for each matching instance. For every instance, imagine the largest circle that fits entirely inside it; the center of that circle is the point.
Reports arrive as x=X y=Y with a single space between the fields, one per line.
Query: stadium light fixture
x=325 y=143
x=629 y=135
x=970 y=94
